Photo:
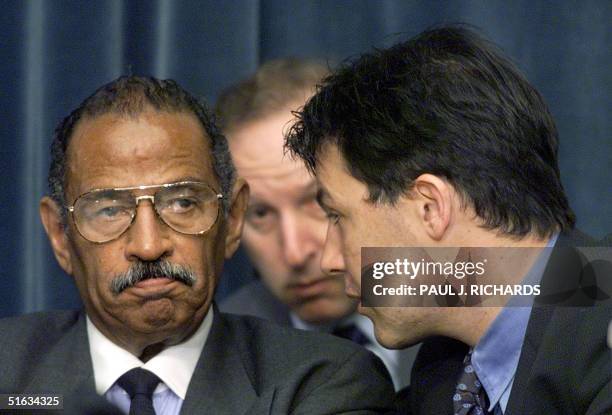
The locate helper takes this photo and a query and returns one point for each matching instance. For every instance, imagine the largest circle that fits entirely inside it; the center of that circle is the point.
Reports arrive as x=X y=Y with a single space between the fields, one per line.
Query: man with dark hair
x=143 y=210
x=441 y=142
x=284 y=228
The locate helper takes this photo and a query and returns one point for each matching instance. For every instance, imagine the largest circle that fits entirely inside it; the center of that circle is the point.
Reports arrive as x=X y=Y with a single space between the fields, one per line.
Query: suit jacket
x=255 y=299
x=564 y=367
x=247 y=366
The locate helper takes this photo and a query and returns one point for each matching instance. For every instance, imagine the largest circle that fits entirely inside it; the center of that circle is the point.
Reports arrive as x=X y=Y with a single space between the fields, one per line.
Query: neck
x=151 y=351
x=508 y=264
x=146 y=345
x=469 y=324
x=472 y=234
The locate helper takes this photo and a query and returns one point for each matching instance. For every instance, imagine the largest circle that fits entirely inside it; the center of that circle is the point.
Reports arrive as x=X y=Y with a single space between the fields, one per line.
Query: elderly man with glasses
x=143 y=210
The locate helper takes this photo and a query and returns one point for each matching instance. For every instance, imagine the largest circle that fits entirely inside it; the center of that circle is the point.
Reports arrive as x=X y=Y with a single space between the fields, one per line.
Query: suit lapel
x=560 y=264
x=434 y=379
x=540 y=316
x=221 y=375
x=68 y=367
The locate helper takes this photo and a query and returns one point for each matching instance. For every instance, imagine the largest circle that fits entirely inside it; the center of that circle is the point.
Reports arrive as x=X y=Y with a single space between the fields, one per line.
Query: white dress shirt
x=174 y=366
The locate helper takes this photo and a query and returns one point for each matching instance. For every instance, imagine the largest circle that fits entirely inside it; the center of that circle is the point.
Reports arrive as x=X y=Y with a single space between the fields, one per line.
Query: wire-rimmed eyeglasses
x=188 y=207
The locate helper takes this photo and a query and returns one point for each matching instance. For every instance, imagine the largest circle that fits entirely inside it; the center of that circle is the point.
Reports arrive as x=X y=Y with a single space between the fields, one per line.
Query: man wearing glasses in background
x=143 y=210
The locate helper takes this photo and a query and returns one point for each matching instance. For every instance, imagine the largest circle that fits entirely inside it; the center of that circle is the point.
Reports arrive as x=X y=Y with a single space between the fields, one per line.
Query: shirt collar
x=361 y=322
x=174 y=365
x=298 y=323
x=496 y=356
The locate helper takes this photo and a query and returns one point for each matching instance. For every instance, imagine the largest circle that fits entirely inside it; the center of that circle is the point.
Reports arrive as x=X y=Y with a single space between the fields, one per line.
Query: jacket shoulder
x=255 y=299
x=311 y=365
x=284 y=343
x=43 y=326
x=27 y=341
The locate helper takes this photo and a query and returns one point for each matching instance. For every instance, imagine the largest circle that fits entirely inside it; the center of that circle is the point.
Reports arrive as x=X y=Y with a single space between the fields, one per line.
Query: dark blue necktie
x=139 y=384
x=352 y=333
x=470 y=397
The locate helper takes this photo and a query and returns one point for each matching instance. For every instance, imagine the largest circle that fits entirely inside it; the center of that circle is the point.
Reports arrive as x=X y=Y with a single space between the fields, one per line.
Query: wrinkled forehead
x=257 y=146
x=113 y=150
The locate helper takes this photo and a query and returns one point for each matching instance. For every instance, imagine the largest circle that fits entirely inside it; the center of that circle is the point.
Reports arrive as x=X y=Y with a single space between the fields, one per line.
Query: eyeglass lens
x=104 y=215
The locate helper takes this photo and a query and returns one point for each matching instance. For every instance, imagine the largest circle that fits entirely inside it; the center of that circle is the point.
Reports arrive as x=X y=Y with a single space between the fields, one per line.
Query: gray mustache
x=144 y=270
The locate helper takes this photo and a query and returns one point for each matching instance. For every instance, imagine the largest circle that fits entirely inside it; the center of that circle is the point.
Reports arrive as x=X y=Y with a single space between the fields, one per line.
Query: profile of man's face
x=285 y=228
x=152 y=148
x=354 y=222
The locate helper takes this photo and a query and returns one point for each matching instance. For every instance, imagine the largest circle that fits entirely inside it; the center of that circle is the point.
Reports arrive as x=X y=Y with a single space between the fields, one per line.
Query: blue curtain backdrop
x=54 y=53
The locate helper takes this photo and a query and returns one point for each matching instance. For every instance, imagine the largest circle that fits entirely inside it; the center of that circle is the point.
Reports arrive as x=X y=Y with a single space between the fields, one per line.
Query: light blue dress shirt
x=496 y=356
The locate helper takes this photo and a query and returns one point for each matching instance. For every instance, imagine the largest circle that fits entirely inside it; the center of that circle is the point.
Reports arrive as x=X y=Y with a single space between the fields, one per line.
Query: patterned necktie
x=352 y=333
x=139 y=384
x=470 y=397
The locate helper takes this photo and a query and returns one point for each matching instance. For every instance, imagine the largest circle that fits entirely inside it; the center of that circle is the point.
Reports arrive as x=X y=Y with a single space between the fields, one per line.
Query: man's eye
x=111 y=212
x=332 y=217
x=260 y=212
x=260 y=217
x=181 y=205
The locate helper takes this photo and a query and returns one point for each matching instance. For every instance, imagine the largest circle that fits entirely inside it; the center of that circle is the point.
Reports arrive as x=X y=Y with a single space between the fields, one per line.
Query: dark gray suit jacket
x=248 y=366
x=255 y=299
x=564 y=367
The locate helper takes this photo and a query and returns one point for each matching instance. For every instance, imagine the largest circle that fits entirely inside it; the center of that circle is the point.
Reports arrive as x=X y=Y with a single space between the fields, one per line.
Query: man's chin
x=388 y=335
x=389 y=338
x=155 y=313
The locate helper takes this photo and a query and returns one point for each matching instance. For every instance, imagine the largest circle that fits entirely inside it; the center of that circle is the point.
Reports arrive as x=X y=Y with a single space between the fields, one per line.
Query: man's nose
x=148 y=237
x=301 y=240
x=332 y=261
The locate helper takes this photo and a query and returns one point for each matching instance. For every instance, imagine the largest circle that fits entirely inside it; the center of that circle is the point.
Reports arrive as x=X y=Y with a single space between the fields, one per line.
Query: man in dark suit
x=441 y=142
x=284 y=228
x=144 y=207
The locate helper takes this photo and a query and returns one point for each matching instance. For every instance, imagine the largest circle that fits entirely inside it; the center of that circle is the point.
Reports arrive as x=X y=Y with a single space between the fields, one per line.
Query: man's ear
x=435 y=198
x=235 y=218
x=51 y=218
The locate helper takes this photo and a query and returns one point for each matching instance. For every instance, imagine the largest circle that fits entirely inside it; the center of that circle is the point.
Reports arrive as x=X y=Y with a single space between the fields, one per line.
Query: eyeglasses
x=102 y=215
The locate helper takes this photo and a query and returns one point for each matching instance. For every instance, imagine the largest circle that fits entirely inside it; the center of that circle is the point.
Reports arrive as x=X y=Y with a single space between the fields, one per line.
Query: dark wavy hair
x=445 y=102
x=130 y=96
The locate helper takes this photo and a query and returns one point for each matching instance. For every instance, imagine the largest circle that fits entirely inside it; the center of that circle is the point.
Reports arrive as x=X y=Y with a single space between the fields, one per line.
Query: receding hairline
x=134 y=116
x=274 y=85
x=267 y=114
x=123 y=116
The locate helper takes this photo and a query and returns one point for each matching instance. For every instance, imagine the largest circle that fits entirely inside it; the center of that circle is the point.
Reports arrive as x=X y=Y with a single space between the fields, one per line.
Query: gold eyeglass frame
x=151 y=198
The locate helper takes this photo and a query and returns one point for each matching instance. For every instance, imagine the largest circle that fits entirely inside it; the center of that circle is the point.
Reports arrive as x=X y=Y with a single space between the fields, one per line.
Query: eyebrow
x=254 y=201
x=104 y=193
x=190 y=179
x=177 y=180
